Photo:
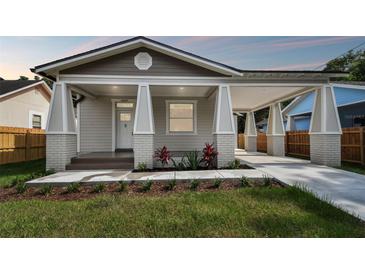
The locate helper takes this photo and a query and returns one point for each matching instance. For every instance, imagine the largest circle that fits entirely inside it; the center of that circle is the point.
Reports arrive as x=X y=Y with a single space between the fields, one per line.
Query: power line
x=361 y=44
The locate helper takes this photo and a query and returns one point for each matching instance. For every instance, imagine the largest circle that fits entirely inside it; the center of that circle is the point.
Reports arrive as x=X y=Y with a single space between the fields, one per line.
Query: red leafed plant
x=163 y=155
x=209 y=155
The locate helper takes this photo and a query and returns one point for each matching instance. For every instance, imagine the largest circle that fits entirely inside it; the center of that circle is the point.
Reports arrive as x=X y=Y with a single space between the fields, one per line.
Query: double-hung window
x=36 y=121
x=181 y=117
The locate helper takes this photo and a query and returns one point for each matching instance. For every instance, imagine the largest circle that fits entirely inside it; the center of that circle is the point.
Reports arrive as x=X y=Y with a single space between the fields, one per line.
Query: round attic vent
x=143 y=61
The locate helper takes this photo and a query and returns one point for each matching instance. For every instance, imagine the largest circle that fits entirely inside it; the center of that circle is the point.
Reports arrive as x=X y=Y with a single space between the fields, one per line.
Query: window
x=36 y=121
x=125 y=117
x=124 y=105
x=181 y=117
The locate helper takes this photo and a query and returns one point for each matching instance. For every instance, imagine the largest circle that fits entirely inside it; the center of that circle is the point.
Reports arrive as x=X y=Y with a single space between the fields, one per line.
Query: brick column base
x=276 y=145
x=251 y=143
x=60 y=148
x=325 y=149
x=225 y=144
x=143 y=147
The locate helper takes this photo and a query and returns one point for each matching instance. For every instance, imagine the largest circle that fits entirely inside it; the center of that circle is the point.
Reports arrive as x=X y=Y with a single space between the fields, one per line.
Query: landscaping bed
x=78 y=191
x=162 y=169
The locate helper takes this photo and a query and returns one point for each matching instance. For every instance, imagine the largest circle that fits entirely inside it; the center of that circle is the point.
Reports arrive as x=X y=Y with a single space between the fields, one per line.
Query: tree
x=21 y=77
x=352 y=62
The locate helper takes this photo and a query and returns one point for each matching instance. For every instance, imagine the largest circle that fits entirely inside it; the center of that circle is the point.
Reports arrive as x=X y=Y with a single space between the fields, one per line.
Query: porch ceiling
x=245 y=98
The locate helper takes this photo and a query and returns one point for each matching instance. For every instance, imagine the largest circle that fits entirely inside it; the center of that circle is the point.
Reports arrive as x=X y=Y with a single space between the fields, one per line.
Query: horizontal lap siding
x=95 y=125
x=205 y=110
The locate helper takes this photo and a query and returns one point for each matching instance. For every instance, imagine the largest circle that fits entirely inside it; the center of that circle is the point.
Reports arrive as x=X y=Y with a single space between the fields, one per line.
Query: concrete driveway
x=345 y=189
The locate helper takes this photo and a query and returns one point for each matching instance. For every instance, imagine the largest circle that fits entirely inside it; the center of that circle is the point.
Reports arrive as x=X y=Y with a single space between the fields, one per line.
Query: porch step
x=100 y=165
x=97 y=160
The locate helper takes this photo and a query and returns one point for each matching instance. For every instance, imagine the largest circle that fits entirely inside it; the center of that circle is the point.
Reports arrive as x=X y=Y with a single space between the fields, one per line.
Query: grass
x=244 y=212
x=21 y=170
x=353 y=168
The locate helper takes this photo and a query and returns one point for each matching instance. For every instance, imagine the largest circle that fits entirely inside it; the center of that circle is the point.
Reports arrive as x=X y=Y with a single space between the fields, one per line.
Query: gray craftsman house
x=137 y=95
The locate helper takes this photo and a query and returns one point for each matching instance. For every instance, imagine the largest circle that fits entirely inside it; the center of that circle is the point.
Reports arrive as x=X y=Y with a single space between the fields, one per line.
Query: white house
x=138 y=95
x=24 y=103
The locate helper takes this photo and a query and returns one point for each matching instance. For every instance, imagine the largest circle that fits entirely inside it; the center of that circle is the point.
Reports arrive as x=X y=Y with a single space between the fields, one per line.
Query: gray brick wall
x=225 y=144
x=60 y=148
x=325 y=149
x=143 y=149
x=251 y=143
x=276 y=145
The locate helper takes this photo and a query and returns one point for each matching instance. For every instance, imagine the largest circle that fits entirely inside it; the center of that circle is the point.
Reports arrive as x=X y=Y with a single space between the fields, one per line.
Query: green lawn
x=249 y=212
x=353 y=168
x=11 y=171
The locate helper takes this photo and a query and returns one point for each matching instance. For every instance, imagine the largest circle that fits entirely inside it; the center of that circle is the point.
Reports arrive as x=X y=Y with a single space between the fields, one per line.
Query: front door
x=124 y=128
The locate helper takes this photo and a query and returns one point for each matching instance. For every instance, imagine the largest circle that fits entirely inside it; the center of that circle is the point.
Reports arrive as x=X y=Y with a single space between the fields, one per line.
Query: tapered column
x=250 y=133
x=325 y=129
x=144 y=128
x=290 y=124
x=61 y=129
x=223 y=127
x=275 y=132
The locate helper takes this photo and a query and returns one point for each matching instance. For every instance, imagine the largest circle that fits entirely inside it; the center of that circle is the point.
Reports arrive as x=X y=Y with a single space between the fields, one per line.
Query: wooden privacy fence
x=297 y=144
x=21 y=144
x=241 y=141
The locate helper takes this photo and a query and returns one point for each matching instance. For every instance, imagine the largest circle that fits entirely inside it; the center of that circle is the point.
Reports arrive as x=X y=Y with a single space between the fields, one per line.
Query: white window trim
x=30 y=119
x=195 y=117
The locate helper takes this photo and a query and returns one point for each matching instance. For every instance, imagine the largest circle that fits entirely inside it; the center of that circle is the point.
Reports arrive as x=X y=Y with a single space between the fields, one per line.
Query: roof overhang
x=41 y=83
x=50 y=69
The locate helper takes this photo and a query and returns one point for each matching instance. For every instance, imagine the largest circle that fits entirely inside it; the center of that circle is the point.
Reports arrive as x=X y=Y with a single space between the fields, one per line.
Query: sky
x=19 y=53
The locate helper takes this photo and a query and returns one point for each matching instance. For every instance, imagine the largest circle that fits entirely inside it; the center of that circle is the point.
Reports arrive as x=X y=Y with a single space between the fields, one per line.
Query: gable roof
x=49 y=69
x=8 y=87
x=345 y=94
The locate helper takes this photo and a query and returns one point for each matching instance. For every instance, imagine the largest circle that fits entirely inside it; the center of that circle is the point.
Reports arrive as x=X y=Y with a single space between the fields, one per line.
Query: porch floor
x=107 y=154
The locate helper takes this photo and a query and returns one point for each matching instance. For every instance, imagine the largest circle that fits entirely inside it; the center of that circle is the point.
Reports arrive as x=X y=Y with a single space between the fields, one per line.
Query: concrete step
x=99 y=165
x=95 y=160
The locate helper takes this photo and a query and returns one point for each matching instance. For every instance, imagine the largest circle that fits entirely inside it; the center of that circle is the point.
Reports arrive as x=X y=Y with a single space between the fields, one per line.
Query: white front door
x=124 y=128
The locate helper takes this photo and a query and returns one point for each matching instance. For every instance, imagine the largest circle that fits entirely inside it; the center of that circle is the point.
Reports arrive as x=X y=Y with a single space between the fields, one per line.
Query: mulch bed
x=160 y=169
x=87 y=191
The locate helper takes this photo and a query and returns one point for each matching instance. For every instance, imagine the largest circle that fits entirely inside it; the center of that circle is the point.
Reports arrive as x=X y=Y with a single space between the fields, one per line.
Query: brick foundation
x=325 y=149
x=143 y=149
x=225 y=144
x=59 y=151
x=276 y=145
x=251 y=143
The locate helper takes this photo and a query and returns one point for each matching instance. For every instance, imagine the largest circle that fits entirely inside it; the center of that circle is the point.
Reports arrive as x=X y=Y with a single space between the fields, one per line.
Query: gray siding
x=205 y=111
x=123 y=64
x=95 y=125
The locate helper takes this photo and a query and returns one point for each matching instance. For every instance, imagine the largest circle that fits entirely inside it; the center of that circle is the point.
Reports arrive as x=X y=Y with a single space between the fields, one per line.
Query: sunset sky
x=18 y=54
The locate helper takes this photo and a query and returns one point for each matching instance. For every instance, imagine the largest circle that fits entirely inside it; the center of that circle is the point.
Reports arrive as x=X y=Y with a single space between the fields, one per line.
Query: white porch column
x=275 y=132
x=223 y=127
x=250 y=132
x=290 y=123
x=144 y=128
x=61 y=133
x=325 y=129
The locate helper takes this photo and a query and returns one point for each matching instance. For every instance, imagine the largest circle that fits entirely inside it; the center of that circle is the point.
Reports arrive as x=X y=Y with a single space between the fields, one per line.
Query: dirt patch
x=157 y=189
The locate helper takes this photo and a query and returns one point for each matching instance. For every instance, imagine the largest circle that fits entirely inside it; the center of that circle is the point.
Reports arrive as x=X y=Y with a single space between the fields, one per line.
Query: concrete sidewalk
x=345 y=189
x=110 y=176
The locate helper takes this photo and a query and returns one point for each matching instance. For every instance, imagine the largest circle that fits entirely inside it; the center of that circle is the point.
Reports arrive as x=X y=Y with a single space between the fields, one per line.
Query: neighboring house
x=138 y=95
x=350 y=100
x=24 y=103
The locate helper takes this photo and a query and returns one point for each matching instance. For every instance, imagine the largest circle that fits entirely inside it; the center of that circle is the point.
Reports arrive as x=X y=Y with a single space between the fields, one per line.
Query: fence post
x=362 y=133
x=28 y=143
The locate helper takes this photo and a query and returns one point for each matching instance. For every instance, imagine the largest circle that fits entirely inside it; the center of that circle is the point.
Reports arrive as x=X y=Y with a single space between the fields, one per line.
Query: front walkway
x=345 y=189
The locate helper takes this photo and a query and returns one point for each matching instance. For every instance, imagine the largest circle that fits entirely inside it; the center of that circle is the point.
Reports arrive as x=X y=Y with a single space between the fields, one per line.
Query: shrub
x=194 y=184
x=146 y=186
x=21 y=187
x=209 y=156
x=46 y=189
x=73 y=188
x=49 y=172
x=98 y=188
x=171 y=185
x=162 y=155
x=122 y=186
x=11 y=183
x=244 y=182
x=217 y=182
x=142 y=166
x=267 y=180
x=192 y=160
x=179 y=165
x=235 y=164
